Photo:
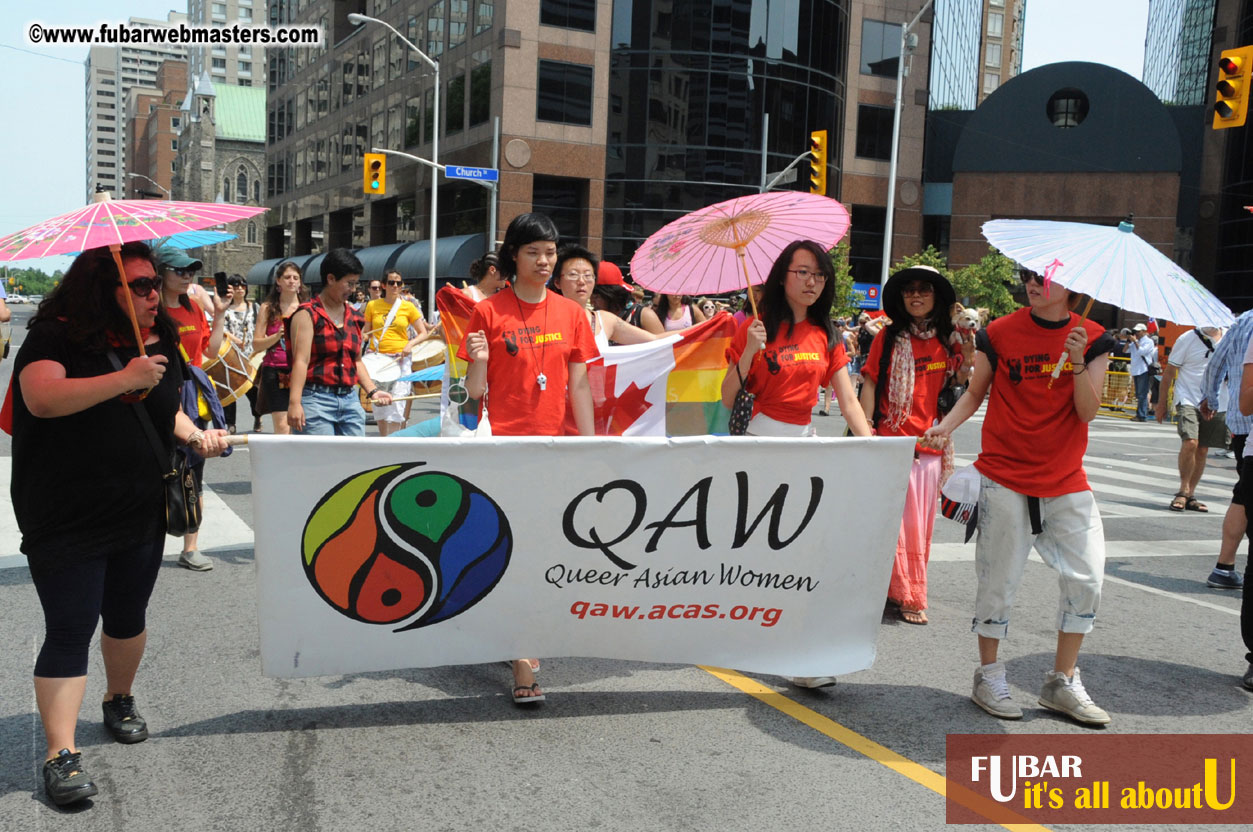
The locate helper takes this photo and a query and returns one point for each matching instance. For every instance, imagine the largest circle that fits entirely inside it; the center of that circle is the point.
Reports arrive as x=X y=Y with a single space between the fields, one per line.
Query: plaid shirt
x=1227 y=363
x=335 y=350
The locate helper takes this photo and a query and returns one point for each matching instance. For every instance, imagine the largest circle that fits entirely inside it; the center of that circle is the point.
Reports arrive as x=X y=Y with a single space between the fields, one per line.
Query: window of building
x=380 y=62
x=455 y=105
x=243 y=82
x=996 y=25
x=252 y=226
x=173 y=144
x=564 y=93
x=481 y=88
x=226 y=188
x=1067 y=107
x=411 y=32
x=435 y=29
x=484 y=12
x=865 y=242
x=245 y=15
x=1000 y=4
x=880 y=48
x=219 y=63
x=993 y=55
x=219 y=10
x=413 y=121
x=565 y=200
x=175 y=123
x=245 y=67
x=569 y=14
x=874 y=132
x=458 y=21
x=991 y=80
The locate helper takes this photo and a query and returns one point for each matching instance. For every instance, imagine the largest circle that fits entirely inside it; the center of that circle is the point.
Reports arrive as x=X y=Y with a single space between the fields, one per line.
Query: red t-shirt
x=785 y=377
x=932 y=362
x=193 y=331
x=1033 y=440
x=524 y=339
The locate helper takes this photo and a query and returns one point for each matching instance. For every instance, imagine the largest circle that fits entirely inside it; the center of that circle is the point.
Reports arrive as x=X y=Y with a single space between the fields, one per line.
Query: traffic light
x=1231 y=103
x=375 y=174
x=818 y=162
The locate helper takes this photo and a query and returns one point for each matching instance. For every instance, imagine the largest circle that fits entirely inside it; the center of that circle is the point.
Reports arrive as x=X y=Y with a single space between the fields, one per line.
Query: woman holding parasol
x=95 y=550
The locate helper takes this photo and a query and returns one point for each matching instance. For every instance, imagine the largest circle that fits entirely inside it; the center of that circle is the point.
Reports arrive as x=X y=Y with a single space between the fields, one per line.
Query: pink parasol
x=727 y=246
x=112 y=222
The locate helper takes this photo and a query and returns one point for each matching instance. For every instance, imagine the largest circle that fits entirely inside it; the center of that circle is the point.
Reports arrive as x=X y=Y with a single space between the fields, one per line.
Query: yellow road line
x=883 y=755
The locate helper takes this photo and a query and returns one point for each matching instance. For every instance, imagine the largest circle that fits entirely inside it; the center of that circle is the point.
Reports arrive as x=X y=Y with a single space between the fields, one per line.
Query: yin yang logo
x=401 y=544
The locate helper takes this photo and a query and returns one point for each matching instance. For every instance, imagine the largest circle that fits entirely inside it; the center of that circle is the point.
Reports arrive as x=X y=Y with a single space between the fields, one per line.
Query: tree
x=842 y=304
x=987 y=283
x=929 y=256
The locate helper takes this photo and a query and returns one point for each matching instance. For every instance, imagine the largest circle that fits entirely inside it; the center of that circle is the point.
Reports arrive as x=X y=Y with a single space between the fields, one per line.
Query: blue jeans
x=332 y=414
x=1142 y=382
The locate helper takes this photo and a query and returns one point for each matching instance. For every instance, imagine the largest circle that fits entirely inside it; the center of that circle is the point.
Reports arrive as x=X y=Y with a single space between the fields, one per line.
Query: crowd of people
x=83 y=373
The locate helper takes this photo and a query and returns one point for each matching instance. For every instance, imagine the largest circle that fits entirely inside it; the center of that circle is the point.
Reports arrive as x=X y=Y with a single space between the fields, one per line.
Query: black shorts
x=273 y=398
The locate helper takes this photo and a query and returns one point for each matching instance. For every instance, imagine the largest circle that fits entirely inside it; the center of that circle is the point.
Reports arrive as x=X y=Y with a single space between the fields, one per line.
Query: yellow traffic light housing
x=375 y=181
x=818 y=162
x=1231 y=102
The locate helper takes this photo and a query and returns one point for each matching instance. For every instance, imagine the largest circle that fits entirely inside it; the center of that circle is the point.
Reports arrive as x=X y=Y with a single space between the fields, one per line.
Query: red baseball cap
x=609 y=275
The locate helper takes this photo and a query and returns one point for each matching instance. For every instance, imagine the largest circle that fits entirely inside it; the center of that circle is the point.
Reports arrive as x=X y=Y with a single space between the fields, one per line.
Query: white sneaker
x=992 y=692
x=811 y=681
x=195 y=561
x=1067 y=696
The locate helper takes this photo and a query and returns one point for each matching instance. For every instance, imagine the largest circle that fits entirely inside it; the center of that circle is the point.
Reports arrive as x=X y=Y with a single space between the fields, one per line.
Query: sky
x=41 y=88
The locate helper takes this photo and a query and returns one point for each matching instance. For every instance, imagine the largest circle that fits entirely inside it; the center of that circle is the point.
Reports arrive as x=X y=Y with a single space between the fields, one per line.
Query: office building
x=111 y=73
x=241 y=65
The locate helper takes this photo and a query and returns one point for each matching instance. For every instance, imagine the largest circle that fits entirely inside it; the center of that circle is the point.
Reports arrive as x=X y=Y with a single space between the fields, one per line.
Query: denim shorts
x=332 y=414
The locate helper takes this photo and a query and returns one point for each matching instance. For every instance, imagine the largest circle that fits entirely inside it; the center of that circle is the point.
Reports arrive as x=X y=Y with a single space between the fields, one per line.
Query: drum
x=231 y=372
x=383 y=369
x=427 y=354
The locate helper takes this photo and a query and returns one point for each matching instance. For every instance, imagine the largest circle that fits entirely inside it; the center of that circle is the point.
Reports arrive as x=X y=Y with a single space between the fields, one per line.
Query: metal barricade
x=1118 y=398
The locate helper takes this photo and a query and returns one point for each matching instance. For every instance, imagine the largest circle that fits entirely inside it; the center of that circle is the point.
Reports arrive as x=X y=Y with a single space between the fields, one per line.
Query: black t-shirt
x=88 y=482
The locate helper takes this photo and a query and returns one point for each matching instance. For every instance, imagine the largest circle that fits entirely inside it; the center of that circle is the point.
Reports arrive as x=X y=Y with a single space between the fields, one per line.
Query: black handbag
x=182 y=503
x=741 y=409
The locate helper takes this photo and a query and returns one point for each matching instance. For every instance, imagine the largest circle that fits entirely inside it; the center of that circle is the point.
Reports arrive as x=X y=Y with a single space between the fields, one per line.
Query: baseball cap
x=1140 y=328
x=608 y=274
x=168 y=257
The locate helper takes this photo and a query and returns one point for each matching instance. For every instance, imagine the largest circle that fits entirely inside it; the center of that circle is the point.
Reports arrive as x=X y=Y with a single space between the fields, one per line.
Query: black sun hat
x=894 y=301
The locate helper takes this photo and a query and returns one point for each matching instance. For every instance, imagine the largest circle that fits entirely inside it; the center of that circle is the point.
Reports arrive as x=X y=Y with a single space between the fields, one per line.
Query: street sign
x=866 y=295
x=787 y=177
x=481 y=174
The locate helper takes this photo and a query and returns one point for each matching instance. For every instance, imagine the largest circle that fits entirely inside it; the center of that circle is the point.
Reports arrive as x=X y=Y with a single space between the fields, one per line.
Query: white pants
x=763 y=425
x=1072 y=541
x=395 y=412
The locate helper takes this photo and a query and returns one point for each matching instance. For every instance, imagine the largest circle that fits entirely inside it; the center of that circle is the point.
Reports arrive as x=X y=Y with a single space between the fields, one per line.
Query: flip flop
x=913 y=616
x=527 y=700
x=1193 y=504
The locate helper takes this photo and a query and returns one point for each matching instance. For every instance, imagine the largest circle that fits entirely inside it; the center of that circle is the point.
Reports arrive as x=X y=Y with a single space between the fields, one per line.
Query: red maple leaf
x=628 y=407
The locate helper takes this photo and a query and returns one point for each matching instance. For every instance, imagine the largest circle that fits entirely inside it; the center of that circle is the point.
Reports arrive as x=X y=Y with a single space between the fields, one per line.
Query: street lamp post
x=896 y=144
x=165 y=190
x=358 y=19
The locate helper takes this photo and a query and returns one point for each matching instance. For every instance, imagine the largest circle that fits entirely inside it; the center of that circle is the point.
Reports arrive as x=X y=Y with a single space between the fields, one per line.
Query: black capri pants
x=112 y=585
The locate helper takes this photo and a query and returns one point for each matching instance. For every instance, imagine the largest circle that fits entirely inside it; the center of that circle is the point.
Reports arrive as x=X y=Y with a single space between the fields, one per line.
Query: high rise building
x=241 y=65
x=978 y=47
x=111 y=72
x=153 y=123
x=1177 y=50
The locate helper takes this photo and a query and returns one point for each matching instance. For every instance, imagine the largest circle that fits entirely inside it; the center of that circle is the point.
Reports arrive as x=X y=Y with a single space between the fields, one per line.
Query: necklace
x=540 y=378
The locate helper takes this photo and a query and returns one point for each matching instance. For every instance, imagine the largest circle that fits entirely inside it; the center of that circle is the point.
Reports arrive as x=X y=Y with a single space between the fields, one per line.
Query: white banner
x=767 y=555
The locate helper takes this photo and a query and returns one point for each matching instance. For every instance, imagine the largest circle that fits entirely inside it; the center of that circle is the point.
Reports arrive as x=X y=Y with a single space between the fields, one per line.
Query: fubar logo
x=402 y=544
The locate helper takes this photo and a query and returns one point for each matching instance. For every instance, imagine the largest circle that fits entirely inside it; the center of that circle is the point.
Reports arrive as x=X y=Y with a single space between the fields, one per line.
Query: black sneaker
x=1224 y=579
x=64 y=778
x=1247 y=681
x=122 y=720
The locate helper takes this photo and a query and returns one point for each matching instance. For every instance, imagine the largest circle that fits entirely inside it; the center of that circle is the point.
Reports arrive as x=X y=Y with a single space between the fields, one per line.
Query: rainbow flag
x=668 y=387
x=454 y=315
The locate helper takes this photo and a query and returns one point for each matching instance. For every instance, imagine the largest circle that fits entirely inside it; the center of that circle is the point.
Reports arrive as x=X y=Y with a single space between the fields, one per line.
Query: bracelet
x=196 y=438
x=1082 y=369
x=370 y=395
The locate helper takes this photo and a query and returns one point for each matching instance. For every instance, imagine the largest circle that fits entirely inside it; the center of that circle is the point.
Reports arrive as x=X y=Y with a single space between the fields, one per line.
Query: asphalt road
x=619 y=745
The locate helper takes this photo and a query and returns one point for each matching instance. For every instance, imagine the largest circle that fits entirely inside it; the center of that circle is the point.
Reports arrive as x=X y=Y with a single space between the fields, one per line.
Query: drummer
x=394 y=326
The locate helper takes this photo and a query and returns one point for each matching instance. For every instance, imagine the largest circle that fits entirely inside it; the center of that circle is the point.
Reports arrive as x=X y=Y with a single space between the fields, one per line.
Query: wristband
x=1082 y=368
x=370 y=395
x=196 y=439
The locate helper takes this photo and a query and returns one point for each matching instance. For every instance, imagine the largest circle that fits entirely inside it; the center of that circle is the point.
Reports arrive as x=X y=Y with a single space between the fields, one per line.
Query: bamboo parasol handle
x=1057 y=368
x=130 y=304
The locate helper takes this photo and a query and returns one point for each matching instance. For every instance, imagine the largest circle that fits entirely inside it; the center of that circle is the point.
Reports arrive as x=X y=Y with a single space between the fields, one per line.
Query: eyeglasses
x=918 y=289
x=1028 y=277
x=580 y=277
x=392 y=283
x=142 y=287
x=805 y=275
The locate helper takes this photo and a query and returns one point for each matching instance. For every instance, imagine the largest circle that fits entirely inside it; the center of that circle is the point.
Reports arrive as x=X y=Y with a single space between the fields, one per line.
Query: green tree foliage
x=31 y=281
x=842 y=304
x=984 y=284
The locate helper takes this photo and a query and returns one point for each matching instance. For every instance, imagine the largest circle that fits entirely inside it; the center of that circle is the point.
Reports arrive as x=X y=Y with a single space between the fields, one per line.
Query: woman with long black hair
x=95 y=548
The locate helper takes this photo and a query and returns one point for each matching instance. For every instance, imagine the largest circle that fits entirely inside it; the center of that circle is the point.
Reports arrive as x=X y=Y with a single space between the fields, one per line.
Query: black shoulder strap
x=163 y=464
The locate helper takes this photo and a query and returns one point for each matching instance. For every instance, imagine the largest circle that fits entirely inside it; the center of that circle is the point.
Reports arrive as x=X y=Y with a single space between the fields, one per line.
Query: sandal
x=532 y=692
x=913 y=616
x=1179 y=502
x=1193 y=504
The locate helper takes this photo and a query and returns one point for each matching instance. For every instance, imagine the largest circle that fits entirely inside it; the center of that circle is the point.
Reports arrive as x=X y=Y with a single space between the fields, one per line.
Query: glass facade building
x=689 y=84
x=1177 y=50
x=955 y=41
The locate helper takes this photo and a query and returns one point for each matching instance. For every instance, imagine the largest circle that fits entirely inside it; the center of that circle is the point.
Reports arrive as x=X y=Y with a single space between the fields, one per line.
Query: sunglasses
x=1030 y=277
x=142 y=287
x=183 y=272
x=394 y=283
